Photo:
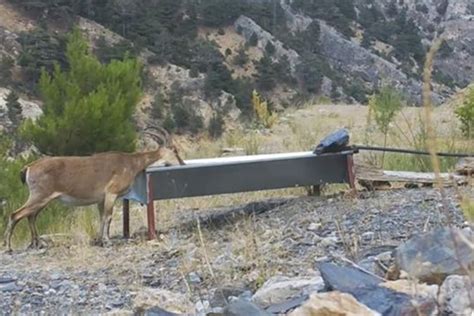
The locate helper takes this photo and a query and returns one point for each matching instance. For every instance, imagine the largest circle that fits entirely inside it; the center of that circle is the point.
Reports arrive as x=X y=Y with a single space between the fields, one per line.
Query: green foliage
x=242 y=90
x=263 y=114
x=283 y=71
x=445 y=50
x=338 y=14
x=13 y=110
x=241 y=58
x=253 y=40
x=158 y=106
x=89 y=107
x=6 y=65
x=216 y=125
x=357 y=90
x=465 y=114
x=40 y=51
x=186 y=119
x=269 y=49
x=216 y=13
x=265 y=77
x=120 y=51
x=385 y=105
x=309 y=73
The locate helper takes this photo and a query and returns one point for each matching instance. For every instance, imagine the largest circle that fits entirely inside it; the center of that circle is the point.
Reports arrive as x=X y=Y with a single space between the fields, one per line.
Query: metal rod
x=410 y=151
x=126 y=218
x=150 y=209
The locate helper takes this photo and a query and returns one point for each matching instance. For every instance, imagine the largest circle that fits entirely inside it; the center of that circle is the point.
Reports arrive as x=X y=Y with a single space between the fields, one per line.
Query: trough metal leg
x=126 y=218
x=351 y=172
x=150 y=209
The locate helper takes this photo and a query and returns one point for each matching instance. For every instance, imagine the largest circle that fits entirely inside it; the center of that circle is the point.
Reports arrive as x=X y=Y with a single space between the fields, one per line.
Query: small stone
x=329 y=241
x=9 y=287
x=314 y=226
x=368 y=236
x=6 y=279
x=194 y=278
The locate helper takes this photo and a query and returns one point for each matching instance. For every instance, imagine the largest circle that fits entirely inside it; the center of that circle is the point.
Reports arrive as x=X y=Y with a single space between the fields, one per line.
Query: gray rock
x=243 y=308
x=280 y=289
x=249 y=27
x=9 y=287
x=456 y=296
x=366 y=289
x=194 y=278
x=155 y=311
x=433 y=256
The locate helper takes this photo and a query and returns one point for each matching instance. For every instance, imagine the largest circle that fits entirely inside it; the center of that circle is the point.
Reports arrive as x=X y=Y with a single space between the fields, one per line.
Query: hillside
x=206 y=57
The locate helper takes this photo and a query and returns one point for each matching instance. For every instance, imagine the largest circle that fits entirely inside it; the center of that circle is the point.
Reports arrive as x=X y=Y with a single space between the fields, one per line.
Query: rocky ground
x=196 y=270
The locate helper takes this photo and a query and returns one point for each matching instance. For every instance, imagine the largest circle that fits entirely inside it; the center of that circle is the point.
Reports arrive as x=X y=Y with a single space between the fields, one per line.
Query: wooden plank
x=367 y=173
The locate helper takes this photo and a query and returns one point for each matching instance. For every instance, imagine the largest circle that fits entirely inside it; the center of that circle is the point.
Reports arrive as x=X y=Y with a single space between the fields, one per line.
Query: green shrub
x=465 y=114
x=216 y=125
x=384 y=106
x=89 y=107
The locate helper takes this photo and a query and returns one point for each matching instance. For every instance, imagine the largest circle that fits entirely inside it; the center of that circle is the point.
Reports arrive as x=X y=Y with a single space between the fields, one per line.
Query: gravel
x=241 y=254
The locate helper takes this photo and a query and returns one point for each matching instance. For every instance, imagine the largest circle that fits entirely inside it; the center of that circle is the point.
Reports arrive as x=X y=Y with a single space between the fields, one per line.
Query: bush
x=158 y=106
x=89 y=107
x=465 y=114
x=40 y=51
x=241 y=58
x=186 y=119
x=216 y=125
x=6 y=65
x=253 y=40
x=384 y=106
x=264 y=115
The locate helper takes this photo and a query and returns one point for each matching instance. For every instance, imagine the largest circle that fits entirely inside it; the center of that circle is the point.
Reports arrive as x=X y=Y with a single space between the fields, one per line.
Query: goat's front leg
x=107 y=211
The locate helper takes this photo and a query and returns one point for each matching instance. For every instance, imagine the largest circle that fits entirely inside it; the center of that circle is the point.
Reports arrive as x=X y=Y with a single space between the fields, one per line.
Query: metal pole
x=351 y=172
x=126 y=218
x=150 y=209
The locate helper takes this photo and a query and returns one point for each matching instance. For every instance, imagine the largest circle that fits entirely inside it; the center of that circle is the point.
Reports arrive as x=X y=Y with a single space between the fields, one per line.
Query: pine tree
x=13 y=110
x=89 y=107
x=265 y=77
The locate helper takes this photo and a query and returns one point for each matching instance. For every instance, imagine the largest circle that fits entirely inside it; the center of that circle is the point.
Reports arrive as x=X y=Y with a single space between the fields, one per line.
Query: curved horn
x=163 y=131
x=160 y=138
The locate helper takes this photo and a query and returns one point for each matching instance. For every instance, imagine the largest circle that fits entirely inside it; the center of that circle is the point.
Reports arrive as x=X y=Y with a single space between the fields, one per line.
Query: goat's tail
x=23 y=174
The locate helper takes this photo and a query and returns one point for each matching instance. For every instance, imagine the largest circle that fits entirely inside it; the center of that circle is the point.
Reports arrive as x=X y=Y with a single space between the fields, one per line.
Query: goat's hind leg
x=36 y=241
x=30 y=208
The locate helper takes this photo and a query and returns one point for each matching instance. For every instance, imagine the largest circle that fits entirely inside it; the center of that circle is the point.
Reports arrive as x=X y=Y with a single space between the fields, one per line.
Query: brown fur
x=98 y=179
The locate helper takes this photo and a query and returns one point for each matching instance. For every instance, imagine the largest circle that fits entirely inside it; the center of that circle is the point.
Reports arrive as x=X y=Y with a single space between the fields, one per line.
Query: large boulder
x=367 y=289
x=433 y=256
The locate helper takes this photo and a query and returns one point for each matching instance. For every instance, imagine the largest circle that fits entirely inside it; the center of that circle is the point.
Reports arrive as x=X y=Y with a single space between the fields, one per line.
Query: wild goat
x=79 y=181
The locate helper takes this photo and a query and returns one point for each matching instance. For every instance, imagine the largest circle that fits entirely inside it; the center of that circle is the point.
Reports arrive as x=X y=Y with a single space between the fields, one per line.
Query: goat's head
x=168 y=149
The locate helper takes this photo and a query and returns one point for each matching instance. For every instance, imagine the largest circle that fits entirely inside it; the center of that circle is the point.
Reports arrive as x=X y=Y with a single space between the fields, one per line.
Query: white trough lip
x=191 y=163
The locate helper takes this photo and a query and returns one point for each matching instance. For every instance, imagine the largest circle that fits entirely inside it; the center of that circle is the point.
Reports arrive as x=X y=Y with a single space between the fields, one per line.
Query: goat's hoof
x=38 y=244
x=102 y=242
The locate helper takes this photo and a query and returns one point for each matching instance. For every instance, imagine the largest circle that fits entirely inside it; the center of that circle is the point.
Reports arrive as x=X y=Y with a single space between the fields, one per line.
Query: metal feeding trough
x=203 y=177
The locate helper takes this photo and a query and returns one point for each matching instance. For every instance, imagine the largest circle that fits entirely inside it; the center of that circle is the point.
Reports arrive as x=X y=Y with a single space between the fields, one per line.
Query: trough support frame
x=126 y=218
x=150 y=208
